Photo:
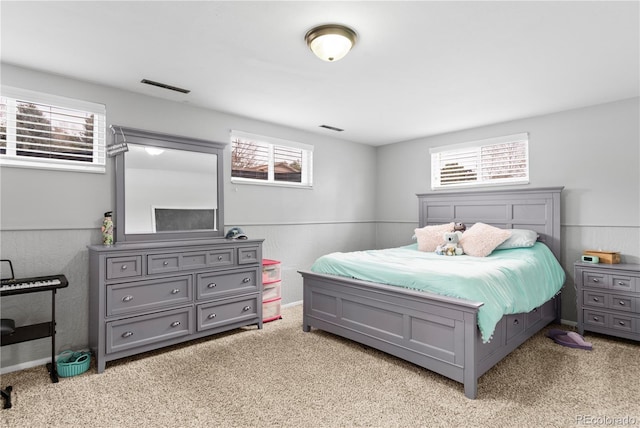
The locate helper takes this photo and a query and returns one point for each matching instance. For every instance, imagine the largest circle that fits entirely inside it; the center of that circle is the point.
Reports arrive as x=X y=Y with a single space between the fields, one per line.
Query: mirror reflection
x=167 y=190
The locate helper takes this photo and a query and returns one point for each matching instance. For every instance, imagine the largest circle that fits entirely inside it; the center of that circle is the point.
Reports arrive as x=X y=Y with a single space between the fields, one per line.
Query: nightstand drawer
x=594 y=298
x=622 y=322
x=623 y=303
x=595 y=318
x=595 y=279
x=623 y=283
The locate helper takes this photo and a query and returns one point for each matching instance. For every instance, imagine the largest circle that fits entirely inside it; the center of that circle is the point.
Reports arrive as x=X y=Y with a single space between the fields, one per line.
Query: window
x=46 y=131
x=258 y=159
x=501 y=160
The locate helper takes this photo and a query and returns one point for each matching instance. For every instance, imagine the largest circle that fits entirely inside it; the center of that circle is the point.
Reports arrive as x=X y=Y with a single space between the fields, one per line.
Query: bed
x=437 y=332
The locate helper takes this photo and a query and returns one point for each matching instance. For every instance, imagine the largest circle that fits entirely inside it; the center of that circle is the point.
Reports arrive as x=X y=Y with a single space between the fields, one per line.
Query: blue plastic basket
x=73 y=363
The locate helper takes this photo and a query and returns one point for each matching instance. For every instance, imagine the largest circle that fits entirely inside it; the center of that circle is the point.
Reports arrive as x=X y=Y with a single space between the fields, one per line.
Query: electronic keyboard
x=9 y=287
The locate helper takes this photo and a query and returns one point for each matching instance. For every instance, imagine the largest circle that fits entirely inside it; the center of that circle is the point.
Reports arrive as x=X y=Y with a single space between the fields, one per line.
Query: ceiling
x=419 y=68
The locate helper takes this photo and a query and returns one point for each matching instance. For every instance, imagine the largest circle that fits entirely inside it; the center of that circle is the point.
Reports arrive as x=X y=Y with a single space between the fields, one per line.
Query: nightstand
x=608 y=298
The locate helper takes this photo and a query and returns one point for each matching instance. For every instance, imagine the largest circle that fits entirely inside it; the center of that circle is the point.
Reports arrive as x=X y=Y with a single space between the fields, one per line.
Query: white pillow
x=481 y=239
x=519 y=238
x=429 y=237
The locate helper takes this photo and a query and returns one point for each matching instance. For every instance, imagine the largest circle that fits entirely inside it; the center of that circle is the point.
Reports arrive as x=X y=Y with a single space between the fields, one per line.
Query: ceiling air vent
x=164 y=86
x=332 y=128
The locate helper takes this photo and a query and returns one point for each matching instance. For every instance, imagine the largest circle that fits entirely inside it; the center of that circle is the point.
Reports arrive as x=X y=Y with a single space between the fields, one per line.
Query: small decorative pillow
x=429 y=237
x=519 y=238
x=481 y=239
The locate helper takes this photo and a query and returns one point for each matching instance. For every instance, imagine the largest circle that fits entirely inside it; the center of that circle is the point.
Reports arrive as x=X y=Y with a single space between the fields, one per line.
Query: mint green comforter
x=507 y=282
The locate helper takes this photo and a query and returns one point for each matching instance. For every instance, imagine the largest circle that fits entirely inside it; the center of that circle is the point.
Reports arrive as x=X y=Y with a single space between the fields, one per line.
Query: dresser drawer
x=222 y=257
x=596 y=299
x=225 y=312
x=163 y=263
x=223 y=284
x=193 y=260
x=595 y=279
x=247 y=255
x=124 y=267
x=148 y=295
x=139 y=331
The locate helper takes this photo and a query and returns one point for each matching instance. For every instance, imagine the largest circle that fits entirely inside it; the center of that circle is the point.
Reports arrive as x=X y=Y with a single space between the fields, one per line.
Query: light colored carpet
x=281 y=376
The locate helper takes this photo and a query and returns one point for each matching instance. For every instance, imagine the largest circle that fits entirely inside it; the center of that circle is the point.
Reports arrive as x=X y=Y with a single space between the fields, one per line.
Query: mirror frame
x=155 y=139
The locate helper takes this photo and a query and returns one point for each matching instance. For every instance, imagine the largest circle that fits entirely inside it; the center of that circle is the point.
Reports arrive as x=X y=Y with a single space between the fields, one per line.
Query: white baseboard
x=25 y=365
x=30 y=364
x=288 y=305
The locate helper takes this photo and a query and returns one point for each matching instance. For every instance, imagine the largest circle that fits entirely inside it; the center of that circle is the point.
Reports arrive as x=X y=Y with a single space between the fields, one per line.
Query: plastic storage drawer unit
x=270 y=271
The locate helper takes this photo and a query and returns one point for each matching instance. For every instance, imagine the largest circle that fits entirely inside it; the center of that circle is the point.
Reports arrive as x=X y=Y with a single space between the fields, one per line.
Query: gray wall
x=593 y=152
x=47 y=218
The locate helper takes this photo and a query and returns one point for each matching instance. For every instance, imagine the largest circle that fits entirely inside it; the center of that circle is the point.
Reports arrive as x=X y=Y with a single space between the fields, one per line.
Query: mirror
x=167 y=187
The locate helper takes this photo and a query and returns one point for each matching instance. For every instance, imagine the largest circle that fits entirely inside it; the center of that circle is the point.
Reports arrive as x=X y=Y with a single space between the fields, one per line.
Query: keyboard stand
x=38 y=331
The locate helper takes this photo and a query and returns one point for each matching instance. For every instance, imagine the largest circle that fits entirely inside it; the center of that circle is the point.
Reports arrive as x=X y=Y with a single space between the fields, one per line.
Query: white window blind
x=501 y=160
x=39 y=130
x=265 y=160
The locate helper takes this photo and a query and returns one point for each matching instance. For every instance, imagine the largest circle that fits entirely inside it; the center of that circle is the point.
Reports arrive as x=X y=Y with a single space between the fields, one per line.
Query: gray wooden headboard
x=536 y=209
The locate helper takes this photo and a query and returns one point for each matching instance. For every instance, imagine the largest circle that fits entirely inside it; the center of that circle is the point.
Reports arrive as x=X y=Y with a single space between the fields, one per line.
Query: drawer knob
x=211 y=316
x=175 y=291
x=246 y=308
x=595 y=280
x=123 y=267
x=127 y=334
x=175 y=323
x=621 y=323
x=596 y=319
x=621 y=283
x=165 y=263
x=246 y=280
x=595 y=299
x=127 y=298
x=212 y=285
x=516 y=322
x=621 y=302
x=219 y=258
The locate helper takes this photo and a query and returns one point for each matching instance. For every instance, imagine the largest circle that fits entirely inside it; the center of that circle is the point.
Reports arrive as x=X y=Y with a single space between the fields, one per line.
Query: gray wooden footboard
x=435 y=332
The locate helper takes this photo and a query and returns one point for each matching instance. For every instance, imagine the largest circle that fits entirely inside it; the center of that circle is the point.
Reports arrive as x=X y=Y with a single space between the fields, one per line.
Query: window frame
x=271 y=143
x=12 y=159
x=477 y=146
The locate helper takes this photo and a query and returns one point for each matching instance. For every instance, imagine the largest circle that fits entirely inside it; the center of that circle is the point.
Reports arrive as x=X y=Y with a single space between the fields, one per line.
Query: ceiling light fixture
x=330 y=42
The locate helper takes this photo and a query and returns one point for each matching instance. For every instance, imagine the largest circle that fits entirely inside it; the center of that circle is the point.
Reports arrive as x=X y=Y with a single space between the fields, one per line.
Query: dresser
x=608 y=298
x=145 y=296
